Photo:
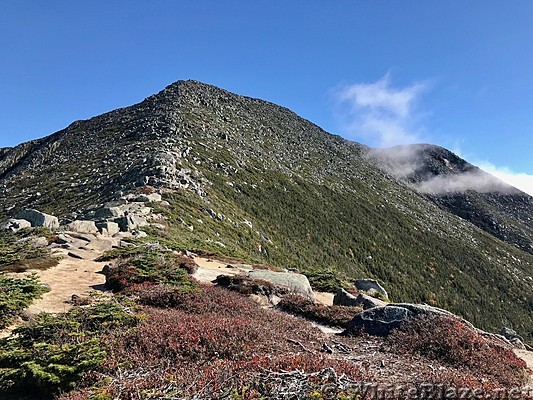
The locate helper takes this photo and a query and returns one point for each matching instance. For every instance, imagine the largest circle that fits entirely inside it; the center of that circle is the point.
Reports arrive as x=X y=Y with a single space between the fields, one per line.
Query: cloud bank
x=460 y=183
x=519 y=180
x=380 y=114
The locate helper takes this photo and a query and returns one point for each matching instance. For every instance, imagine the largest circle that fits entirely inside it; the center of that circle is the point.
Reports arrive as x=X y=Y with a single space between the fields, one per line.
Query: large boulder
x=109 y=212
x=108 y=228
x=380 y=321
x=131 y=222
x=82 y=226
x=368 y=302
x=344 y=298
x=14 y=225
x=369 y=286
x=37 y=218
x=294 y=283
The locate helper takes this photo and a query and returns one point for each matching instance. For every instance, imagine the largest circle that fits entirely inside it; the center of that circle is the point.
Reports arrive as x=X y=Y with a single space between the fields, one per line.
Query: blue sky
x=454 y=73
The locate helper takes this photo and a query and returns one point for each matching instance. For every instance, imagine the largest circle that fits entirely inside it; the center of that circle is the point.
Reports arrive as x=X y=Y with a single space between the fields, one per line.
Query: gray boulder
x=370 y=285
x=108 y=227
x=510 y=334
x=514 y=338
x=131 y=222
x=82 y=226
x=14 y=225
x=344 y=298
x=293 y=283
x=381 y=320
x=368 y=302
x=378 y=321
x=37 y=218
x=108 y=212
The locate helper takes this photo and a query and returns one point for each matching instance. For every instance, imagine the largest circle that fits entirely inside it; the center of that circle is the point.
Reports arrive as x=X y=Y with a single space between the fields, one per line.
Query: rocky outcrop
x=37 y=218
x=267 y=283
x=127 y=214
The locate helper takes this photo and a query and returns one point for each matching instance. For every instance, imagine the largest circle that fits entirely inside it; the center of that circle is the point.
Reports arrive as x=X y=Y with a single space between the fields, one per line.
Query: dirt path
x=77 y=272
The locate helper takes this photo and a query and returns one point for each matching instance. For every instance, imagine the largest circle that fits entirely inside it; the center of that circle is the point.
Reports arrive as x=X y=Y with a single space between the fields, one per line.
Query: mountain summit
x=248 y=179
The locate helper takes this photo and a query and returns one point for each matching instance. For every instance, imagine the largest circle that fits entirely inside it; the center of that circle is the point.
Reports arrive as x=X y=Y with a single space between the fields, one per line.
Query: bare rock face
x=37 y=218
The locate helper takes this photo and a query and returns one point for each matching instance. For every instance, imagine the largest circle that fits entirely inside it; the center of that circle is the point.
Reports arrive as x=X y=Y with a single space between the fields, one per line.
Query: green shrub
x=18 y=253
x=151 y=266
x=54 y=352
x=16 y=295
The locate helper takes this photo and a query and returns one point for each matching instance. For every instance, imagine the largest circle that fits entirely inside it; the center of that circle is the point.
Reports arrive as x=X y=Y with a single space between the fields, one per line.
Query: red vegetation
x=479 y=358
x=328 y=315
x=210 y=341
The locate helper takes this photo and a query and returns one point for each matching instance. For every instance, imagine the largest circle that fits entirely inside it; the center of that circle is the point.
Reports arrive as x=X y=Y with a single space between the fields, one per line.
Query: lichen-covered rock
x=37 y=218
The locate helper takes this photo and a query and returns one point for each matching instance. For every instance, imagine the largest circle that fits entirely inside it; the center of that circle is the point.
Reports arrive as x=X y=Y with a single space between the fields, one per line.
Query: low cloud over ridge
x=519 y=180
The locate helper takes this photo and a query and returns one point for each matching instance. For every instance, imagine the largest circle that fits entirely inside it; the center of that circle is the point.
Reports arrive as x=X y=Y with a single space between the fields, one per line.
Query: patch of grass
x=16 y=295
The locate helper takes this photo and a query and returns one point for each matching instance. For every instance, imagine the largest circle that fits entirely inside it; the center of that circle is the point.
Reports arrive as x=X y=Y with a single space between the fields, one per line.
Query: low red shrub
x=211 y=341
x=454 y=343
x=328 y=315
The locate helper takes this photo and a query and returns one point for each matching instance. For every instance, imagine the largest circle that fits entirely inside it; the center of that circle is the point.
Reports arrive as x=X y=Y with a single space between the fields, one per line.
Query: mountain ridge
x=282 y=191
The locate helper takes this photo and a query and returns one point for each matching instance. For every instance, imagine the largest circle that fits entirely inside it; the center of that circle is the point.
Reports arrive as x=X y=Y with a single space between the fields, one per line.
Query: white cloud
x=380 y=114
x=519 y=180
